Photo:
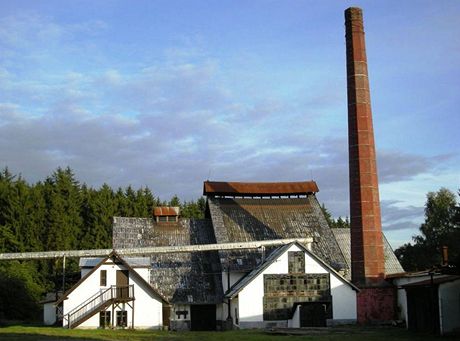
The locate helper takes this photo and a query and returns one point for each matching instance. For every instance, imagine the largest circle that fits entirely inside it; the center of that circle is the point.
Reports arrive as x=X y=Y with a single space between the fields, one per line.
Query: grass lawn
x=26 y=333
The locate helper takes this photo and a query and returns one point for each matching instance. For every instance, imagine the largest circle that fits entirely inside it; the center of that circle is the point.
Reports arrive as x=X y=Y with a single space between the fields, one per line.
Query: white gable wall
x=250 y=298
x=147 y=308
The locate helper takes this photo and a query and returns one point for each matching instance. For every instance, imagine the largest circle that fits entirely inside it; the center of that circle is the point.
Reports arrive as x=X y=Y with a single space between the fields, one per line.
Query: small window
x=172 y=218
x=163 y=218
x=122 y=318
x=103 y=280
x=104 y=319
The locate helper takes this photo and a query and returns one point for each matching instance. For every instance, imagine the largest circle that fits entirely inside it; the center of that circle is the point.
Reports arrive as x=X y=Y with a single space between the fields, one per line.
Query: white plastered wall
x=251 y=297
x=147 y=308
x=449 y=306
x=295 y=321
x=49 y=314
x=222 y=309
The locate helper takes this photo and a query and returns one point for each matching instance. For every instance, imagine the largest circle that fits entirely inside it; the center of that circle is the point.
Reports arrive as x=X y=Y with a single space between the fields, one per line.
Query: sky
x=167 y=94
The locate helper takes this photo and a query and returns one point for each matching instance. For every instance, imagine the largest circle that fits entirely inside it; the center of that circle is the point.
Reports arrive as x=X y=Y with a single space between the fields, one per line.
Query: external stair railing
x=98 y=302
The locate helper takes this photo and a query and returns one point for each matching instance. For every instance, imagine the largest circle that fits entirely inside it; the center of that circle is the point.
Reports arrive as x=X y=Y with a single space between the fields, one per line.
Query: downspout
x=229 y=314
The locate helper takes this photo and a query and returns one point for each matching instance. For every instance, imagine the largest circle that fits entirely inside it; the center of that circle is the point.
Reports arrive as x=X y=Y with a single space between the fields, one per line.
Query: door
x=313 y=314
x=423 y=309
x=166 y=315
x=203 y=317
x=122 y=284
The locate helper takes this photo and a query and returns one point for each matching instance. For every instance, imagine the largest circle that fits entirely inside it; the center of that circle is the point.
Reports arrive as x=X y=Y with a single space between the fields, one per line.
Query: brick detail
x=376 y=304
x=368 y=263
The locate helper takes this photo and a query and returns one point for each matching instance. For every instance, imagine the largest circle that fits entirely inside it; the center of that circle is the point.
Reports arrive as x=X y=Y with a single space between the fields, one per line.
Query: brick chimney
x=368 y=262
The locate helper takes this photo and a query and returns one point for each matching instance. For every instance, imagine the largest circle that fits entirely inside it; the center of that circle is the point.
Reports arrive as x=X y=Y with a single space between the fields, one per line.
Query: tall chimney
x=367 y=257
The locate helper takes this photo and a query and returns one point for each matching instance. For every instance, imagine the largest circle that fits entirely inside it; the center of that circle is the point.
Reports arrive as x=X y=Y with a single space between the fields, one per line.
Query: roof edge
x=222 y=188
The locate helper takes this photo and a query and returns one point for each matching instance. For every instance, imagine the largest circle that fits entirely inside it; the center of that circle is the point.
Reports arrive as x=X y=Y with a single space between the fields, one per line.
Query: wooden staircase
x=99 y=302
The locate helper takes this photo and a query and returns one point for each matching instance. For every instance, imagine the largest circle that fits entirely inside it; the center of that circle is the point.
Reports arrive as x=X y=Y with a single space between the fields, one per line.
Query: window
x=122 y=318
x=162 y=218
x=104 y=319
x=103 y=279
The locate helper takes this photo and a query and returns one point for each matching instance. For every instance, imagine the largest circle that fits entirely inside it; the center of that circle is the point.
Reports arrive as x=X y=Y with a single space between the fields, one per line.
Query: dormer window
x=165 y=214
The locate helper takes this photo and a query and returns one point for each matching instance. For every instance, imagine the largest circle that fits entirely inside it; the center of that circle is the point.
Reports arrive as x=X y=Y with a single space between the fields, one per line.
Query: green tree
x=63 y=196
x=145 y=202
x=193 y=209
x=9 y=231
x=19 y=291
x=334 y=223
x=440 y=228
x=175 y=201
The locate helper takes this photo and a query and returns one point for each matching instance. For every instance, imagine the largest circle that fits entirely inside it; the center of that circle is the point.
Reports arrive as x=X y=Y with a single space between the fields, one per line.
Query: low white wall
x=295 y=321
x=449 y=307
x=49 y=314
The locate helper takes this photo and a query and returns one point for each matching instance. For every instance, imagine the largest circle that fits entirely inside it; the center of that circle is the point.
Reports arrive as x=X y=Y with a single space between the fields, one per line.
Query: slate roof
x=180 y=277
x=392 y=265
x=238 y=286
x=243 y=220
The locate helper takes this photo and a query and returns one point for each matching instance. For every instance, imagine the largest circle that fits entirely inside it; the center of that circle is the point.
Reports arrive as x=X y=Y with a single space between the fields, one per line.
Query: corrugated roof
x=213 y=188
x=392 y=265
x=134 y=262
x=178 y=276
x=243 y=220
x=165 y=211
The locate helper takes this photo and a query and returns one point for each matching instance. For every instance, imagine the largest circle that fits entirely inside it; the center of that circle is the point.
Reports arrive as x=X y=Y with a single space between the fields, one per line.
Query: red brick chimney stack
x=368 y=262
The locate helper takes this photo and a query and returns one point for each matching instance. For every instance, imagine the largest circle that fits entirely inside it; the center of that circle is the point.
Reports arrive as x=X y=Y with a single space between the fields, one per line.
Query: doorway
x=203 y=317
x=122 y=283
x=314 y=314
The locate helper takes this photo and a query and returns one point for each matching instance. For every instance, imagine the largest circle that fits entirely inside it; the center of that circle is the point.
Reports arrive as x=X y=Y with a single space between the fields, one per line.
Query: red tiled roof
x=259 y=188
x=165 y=211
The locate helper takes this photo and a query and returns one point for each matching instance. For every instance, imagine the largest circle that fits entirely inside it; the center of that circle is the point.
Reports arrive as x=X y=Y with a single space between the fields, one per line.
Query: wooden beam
x=141 y=251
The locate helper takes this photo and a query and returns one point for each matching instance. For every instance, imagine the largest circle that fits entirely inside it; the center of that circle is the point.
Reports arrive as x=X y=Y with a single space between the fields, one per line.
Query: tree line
x=60 y=213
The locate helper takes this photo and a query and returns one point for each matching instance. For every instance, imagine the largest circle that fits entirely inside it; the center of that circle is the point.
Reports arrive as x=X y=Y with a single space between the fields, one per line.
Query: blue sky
x=170 y=93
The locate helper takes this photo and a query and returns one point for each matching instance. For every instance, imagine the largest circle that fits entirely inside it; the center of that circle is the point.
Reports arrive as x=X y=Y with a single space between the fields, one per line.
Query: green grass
x=26 y=333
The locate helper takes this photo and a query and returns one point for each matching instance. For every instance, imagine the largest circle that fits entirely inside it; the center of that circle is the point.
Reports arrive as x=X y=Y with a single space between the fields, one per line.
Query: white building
x=113 y=293
x=292 y=288
x=429 y=301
